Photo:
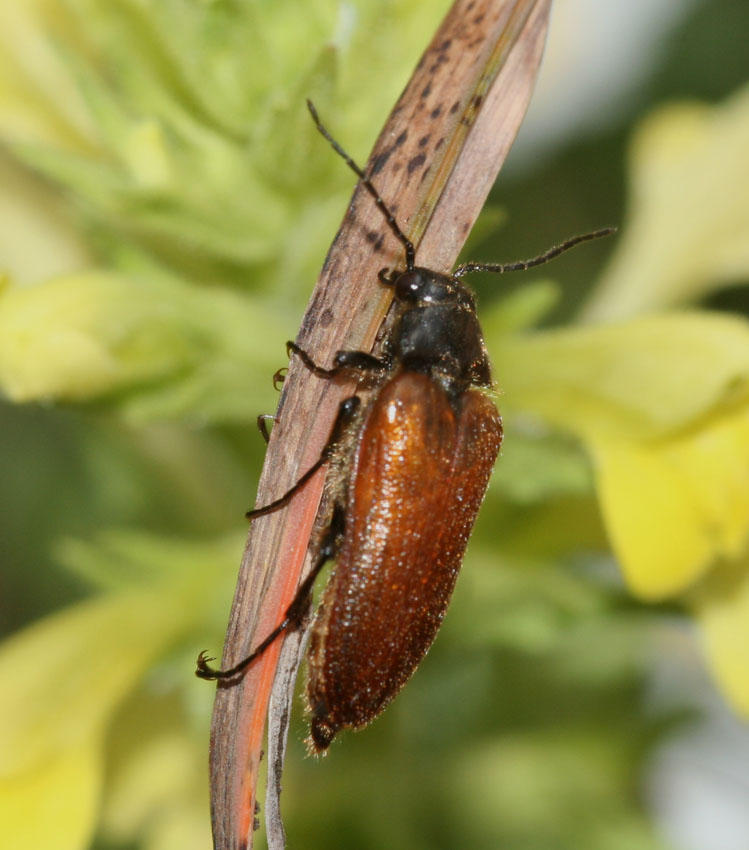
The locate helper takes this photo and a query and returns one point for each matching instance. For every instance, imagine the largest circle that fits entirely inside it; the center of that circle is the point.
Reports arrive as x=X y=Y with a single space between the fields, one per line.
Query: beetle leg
x=346 y=413
x=297 y=610
x=320 y=371
x=357 y=361
x=263 y=427
x=279 y=376
x=360 y=361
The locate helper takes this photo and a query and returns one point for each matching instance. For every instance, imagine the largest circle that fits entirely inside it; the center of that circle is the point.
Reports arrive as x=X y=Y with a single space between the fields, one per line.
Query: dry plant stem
x=434 y=164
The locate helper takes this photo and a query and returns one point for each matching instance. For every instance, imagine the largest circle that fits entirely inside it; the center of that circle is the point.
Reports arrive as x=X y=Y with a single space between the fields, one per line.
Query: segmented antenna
x=501 y=268
x=369 y=186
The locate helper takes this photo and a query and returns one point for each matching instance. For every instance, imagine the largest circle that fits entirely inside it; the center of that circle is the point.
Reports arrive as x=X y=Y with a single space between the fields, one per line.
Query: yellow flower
x=662 y=402
x=721 y=606
x=678 y=506
x=689 y=219
x=71 y=672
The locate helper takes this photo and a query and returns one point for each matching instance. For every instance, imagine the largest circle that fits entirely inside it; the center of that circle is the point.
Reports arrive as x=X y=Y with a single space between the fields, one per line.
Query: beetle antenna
x=369 y=186
x=501 y=268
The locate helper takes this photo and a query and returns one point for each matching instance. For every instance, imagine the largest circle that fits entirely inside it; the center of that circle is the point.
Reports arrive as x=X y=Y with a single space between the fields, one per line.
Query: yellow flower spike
x=80 y=335
x=721 y=606
x=158 y=347
x=31 y=215
x=152 y=118
x=689 y=222
x=145 y=152
x=38 y=100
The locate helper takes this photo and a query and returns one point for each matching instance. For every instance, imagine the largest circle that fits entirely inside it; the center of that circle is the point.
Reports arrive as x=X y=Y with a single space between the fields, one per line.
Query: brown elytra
x=420 y=471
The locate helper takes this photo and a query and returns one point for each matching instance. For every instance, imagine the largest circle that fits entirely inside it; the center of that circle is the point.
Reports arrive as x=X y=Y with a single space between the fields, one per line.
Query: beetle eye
x=409 y=286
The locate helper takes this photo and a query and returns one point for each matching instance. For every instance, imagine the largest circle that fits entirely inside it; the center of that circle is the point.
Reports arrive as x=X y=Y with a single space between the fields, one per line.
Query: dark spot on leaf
x=379 y=161
x=325 y=320
x=440 y=60
x=423 y=141
x=477 y=20
x=426 y=91
x=416 y=162
x=402 y=138
x=306 y=327
x=436 y=112
x=455 y=107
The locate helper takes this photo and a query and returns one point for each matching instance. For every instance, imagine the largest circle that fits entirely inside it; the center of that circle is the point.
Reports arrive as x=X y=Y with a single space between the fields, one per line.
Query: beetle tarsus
x=296 y=612
x=320 y=371
x=279 y=376
x=204 y=669
x=262 y=425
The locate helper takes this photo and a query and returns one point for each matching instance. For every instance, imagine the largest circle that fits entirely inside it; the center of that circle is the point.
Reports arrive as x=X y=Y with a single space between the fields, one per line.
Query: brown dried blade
x=466 y=97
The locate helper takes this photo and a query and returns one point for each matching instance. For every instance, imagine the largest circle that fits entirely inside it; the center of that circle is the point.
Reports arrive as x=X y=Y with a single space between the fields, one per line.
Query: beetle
x=411 y=465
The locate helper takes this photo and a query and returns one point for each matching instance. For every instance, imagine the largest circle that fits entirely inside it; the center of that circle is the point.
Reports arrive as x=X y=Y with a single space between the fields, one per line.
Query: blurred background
x=165 y=209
